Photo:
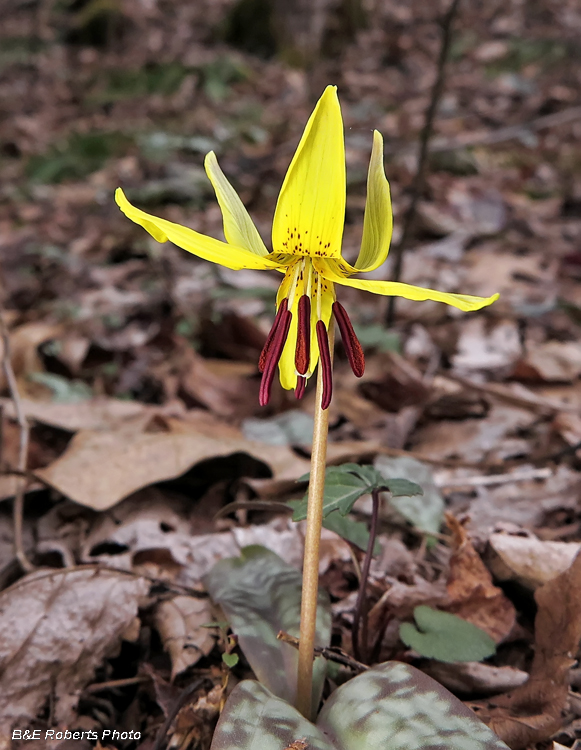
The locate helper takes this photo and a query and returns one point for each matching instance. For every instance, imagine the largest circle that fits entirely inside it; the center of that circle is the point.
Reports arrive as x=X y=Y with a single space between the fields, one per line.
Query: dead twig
x=426 y=134
x=18 y=510
x=332 y=654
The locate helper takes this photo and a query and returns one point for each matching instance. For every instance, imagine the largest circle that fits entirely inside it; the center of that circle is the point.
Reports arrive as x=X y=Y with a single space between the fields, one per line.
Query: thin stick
x=310 y=591
x=21 y=481
x=360 y=616
x=427 y=131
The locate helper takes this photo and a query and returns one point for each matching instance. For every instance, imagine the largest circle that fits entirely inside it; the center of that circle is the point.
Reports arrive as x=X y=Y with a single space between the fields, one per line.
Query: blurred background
x=101 y=93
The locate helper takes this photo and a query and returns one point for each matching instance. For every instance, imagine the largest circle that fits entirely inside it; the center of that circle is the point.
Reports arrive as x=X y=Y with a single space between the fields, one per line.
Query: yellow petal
x=204 y=247
x=378 y=219
x=310 y=212
x=464 y=302
x=239 y=228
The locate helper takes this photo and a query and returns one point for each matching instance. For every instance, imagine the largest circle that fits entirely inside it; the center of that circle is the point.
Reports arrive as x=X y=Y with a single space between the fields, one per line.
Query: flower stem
x=360 y=648
x=310 y=592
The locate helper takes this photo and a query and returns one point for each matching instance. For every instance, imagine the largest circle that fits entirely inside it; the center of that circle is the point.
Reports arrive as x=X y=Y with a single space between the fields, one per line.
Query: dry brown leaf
x=99 y=469
x=475 y=678
x=528 y=560
x=532 y=713
x=92 y=414
x=56 y=627
x=179 y=622
x=472 y=594
x=552 y=362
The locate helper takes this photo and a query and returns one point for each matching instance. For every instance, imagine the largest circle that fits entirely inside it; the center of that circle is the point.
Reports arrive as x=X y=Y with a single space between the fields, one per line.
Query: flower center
x=310 y=298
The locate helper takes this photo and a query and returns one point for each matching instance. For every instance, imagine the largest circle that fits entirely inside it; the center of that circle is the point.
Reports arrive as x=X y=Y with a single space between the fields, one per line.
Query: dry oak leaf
x=181 y=624
x=472 y=595
x=56 y=627
x=100 y=468
x=532 y=713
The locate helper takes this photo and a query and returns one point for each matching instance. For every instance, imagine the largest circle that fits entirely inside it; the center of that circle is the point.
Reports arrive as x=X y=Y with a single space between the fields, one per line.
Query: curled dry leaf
x=532 y=713
x=100 y=468
x=472 y=594
x=528 y=560
x=180 y=622
x=55 y=628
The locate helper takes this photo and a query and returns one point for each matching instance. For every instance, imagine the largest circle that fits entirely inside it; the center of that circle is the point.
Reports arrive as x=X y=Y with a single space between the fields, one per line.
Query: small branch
x=360 y=616
x=331 y=654
x=18 y=509
x=426 y=134
x=310 y=592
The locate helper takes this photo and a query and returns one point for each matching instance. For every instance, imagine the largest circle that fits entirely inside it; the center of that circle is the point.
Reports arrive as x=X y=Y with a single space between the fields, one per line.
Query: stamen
x=350 y=341
x=273 y=355
x=303 y=350
x=325 y=363
x=301 y=385
x=282 y=308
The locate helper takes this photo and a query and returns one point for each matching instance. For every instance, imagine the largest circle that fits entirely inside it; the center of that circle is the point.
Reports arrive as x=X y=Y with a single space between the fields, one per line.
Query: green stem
x=310 y=592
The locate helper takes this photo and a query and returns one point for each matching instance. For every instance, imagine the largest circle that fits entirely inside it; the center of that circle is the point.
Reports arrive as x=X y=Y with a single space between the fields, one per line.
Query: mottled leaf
x=446 y=637
x=255 y=719
x=260 y=595
x=390 y=707
x=396 y=707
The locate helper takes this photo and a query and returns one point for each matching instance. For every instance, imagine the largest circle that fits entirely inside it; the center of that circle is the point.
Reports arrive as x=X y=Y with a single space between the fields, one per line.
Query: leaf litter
x=136 y=364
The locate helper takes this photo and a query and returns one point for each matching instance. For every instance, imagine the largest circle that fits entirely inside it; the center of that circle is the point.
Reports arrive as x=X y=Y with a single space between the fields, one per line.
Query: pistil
x=303 y=350
x=301 y=385
x=351 y=343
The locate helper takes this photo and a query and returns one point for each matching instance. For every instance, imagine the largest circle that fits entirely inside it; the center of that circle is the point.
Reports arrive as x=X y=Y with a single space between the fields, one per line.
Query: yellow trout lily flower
x=306 y=247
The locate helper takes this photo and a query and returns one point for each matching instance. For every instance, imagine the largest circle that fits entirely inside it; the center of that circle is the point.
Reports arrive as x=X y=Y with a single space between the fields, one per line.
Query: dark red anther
x=301 y=385
x=325 y=363
x=350 y=341
x=303 y=350
x=265 y=349
x=273 y=355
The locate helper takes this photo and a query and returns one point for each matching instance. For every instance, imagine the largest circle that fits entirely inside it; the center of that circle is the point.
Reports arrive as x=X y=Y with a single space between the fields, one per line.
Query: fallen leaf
x=99 y=469
x=528 y=560
x=56 y=627
x=472 y=594
x=551 y=362
x=532 y=713
x=179 y=622
x=473 y=677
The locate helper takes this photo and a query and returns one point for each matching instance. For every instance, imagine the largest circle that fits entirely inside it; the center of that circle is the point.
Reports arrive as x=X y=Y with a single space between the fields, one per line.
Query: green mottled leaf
x=230 y=660
x=396 y=707
x=292 y=427
x=255 y=719
x=345 y=484
x=390 y=707
x=446 y=637
x=260 y=595
x=426 y=512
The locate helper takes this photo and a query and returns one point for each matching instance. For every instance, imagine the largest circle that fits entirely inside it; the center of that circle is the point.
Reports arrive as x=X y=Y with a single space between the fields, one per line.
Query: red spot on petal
x=325 y=363
x=303 y=350
x=351 y=343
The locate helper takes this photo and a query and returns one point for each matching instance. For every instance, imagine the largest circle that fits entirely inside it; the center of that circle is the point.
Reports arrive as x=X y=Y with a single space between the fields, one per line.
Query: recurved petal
x=464 y=302
x=378 y=219
x=310 y=212
x=204 y=247
x=239 y=228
